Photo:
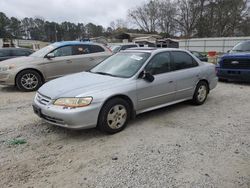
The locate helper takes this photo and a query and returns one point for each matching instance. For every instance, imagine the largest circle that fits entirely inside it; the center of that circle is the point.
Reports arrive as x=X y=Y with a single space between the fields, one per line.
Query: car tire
x=114 y=116
x=28 y=80
x=201 y=93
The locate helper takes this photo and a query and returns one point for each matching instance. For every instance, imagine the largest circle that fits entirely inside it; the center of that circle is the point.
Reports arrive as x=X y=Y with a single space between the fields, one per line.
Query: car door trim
x=157 y=96
x=170 y=93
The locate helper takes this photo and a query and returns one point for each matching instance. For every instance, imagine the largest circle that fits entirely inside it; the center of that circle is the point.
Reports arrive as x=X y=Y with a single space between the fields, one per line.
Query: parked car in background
x=8 y=53
x=236 y=64
x=53 y=61
x=124 y=85
x=120 y=47
x=200 y=56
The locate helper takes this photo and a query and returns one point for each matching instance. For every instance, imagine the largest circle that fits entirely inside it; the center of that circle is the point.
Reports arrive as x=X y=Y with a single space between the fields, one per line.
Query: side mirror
x=50 y=55
x=147 y=76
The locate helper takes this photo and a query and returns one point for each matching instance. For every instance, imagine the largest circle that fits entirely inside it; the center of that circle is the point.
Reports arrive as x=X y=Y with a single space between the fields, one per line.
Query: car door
x=60 y=64
x=187 y=74
x=86 y=56
x=162 y=89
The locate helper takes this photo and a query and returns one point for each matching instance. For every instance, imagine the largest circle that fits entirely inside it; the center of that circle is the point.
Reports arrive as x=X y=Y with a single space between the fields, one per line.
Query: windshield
x=242 y=47
x=44 y=51
x=124 y=64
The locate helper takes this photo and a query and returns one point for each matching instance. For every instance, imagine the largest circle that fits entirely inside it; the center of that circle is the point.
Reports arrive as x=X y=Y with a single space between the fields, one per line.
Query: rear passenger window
x=183 y=60
x=4 y=53
x=96 y=49
x=20 y=53
x=81 y=49
x=159 y=64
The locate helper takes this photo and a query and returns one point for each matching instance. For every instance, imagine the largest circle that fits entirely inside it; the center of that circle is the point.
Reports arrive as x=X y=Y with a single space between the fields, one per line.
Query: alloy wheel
x=117 y=116
x=29 y=81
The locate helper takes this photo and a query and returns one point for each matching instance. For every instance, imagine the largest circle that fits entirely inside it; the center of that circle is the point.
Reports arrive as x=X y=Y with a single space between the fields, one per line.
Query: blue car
x=235 y=66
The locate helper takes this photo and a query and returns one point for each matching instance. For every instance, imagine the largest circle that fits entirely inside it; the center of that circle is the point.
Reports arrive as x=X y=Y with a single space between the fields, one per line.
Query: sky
x=100 y=12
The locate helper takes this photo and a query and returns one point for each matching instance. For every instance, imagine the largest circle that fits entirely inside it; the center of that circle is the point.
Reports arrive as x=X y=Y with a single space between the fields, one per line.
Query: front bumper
x=6 y=78
x=233 y=74
x=78 y=118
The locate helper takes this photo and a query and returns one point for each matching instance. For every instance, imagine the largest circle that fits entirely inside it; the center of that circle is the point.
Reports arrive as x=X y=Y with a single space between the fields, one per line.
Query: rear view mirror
x=147 y=76
x=50 y=55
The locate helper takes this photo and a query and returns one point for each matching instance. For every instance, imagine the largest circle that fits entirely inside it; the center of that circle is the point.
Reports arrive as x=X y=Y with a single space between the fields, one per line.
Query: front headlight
x=73 y=102
x=5 y=68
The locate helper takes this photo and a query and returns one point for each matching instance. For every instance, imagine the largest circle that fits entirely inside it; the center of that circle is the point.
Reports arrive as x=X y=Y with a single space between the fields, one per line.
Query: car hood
x=20 y=61
x=236 y=55
x=84 y=83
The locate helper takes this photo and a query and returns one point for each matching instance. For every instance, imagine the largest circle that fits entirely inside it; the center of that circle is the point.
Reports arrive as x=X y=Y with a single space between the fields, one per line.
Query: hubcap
x=29 y=81
x=202 y=93
x=117 y=116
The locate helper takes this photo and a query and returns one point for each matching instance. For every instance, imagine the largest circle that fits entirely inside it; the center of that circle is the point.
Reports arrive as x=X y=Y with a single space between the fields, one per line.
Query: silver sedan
x=124 y=85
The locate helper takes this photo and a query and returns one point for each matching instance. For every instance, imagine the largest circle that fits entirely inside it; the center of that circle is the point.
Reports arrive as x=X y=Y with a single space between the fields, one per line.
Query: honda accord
x=122 y=86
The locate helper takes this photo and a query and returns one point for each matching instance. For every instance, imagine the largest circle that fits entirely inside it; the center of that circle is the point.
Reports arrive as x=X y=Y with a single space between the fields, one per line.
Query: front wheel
x=28 y=80
x=114 y=116
x=201 y=93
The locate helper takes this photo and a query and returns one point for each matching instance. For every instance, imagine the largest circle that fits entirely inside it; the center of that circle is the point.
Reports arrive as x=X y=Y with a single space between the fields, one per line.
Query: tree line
x=40 y=29
x=194 y=18
x=185 y=18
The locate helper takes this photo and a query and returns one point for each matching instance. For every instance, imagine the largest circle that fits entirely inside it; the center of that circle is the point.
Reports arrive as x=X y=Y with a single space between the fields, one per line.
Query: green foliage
x=17 y=141
x=40 y=29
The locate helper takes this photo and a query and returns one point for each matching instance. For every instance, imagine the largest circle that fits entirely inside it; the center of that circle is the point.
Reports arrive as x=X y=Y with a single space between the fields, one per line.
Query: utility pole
x=55 y=33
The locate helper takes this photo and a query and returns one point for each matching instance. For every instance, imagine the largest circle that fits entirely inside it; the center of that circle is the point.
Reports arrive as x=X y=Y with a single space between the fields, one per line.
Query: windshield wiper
x=104 y=73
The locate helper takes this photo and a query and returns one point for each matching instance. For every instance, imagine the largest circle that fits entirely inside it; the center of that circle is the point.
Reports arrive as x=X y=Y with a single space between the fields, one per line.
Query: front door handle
x=68 y=61
x=171 y=81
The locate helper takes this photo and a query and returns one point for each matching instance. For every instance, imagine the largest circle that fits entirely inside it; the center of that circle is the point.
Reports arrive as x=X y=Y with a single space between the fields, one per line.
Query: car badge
x=235 y=62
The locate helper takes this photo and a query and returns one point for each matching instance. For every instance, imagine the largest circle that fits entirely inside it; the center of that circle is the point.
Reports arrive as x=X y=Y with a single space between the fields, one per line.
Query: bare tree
x=146 y=16
x=187 y=16
x=166 y=17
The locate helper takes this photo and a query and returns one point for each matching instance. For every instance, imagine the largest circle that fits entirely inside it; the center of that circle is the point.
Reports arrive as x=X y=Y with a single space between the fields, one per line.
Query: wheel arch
x=33 y=69
x=206 y=81
x=124 y=97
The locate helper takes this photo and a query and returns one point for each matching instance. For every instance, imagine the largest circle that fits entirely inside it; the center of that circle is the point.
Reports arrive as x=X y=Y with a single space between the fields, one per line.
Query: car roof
x=124 y=44
x=153 y=49
x=68 y=43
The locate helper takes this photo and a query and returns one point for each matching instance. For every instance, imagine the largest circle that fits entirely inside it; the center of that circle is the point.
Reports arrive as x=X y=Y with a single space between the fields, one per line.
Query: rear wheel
x=114 y=116
x=201 y=93
x=28 y=80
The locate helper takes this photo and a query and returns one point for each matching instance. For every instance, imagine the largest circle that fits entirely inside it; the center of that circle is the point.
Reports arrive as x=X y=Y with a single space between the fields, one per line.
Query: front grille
x=42 y=99
x=236 y=63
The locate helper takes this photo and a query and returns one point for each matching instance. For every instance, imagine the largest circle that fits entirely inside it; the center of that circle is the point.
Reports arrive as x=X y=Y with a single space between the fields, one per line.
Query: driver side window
x=159 y=64
x=63 y=51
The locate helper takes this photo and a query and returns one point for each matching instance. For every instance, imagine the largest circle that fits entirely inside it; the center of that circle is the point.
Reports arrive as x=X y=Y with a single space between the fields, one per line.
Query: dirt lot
x=178 y=146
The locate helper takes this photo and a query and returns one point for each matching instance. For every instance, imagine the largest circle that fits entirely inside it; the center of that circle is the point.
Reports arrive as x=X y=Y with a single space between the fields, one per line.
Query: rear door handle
x=171 y=81
x=68 y=61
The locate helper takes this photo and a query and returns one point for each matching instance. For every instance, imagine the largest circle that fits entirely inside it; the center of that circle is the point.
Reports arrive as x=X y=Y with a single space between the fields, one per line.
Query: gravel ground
x=178 y=146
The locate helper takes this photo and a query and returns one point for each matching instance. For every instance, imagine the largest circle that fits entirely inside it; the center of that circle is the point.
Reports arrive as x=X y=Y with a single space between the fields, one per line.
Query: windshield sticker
x=138 y=58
